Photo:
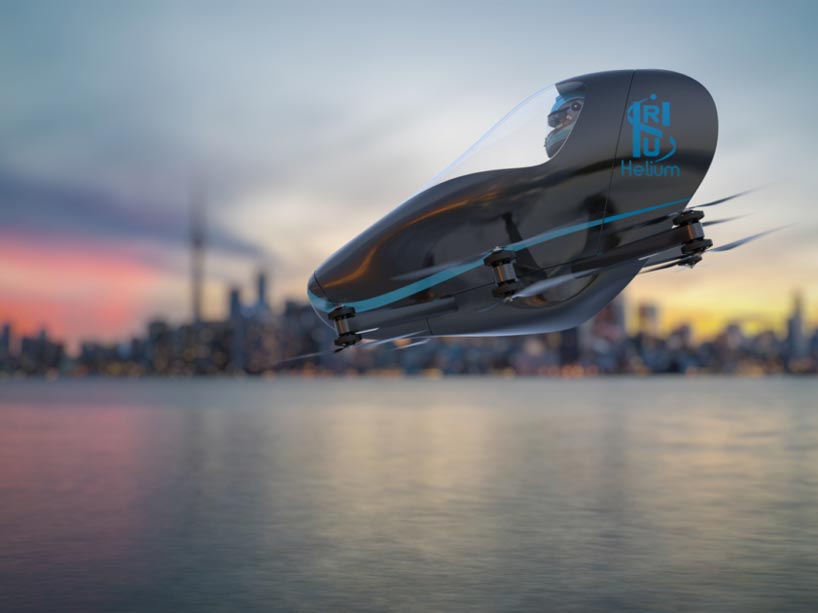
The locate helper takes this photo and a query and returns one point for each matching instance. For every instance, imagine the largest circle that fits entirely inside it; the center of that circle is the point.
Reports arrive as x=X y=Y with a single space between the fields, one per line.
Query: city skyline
x=633 y=314
x=256 y=338
x=750 y=323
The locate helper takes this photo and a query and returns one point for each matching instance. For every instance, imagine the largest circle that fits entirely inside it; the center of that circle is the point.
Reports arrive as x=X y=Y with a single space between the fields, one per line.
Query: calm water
x=411 y=495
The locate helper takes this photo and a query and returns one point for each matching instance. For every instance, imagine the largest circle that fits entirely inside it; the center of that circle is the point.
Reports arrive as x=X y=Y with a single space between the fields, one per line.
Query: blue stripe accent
x=361 y=306
x=320 y=303
x=552 y=234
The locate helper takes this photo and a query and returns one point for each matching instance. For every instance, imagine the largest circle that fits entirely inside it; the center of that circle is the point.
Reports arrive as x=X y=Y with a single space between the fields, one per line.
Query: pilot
x=561 y=120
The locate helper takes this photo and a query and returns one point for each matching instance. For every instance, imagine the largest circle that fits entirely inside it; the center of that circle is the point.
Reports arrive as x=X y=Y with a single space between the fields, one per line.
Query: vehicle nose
x=319 y=300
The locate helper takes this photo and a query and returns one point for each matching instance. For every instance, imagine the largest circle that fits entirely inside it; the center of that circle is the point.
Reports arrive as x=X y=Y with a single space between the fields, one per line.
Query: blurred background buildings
x=256 y=339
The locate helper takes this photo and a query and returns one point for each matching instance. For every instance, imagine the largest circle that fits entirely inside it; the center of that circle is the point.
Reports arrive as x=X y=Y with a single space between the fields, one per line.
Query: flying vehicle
x=541 y=223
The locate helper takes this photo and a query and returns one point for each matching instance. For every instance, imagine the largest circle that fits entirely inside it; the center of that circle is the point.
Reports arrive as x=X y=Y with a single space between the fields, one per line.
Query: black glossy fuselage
x=591 y=198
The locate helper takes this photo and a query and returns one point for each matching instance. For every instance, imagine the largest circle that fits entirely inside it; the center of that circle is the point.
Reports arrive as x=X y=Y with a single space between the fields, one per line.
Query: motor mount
x=501 y=261
x=690 y=261
x=685 y=218
x=696 y=246
x=344 y=320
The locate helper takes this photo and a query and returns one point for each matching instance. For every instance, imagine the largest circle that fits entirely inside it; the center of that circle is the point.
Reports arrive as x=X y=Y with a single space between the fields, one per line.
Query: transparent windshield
x=529 y=135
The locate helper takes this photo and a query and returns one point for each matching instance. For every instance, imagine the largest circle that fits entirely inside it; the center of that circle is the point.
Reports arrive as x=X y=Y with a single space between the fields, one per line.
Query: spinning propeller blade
x=725 y=199
x=727 y=247
x=430 y=270
x=545 y=284
x=715 y=222
x=365 y=346
x=420 y=341
x=666 y=216
x=745 y=240
x=383 y=341
x=661 y=267
x=306 y=356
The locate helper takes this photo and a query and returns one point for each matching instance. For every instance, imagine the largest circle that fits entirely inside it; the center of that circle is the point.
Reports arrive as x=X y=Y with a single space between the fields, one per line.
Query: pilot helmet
x=561 y=120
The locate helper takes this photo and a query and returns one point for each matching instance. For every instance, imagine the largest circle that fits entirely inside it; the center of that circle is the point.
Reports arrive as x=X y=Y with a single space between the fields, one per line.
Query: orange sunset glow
x=73 y=290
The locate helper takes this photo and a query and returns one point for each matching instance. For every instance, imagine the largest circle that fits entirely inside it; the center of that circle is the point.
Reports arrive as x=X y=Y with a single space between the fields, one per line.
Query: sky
x=302 y=123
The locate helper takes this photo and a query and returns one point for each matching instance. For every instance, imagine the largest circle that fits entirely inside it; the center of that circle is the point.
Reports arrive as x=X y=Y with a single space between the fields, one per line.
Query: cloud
x=46 y=208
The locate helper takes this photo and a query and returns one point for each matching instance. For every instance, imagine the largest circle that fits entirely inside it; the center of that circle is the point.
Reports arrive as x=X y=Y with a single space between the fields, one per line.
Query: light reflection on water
x=488 y=494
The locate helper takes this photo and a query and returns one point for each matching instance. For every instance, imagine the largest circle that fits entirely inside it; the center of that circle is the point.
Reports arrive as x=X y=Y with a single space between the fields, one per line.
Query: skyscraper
x=796 y=341
x=159 y=349
x=261 y=289
x=197 y=244
x=610 y=323
x=649 y=319
x=238 y=330
x=5 y=342
x=234 y=304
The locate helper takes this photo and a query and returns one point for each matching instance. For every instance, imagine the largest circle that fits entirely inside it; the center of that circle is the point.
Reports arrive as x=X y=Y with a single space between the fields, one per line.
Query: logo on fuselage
x=651 y=144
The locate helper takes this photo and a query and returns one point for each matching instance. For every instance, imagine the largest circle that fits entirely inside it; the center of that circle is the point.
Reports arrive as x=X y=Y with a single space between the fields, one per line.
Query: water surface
x=411 y=495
